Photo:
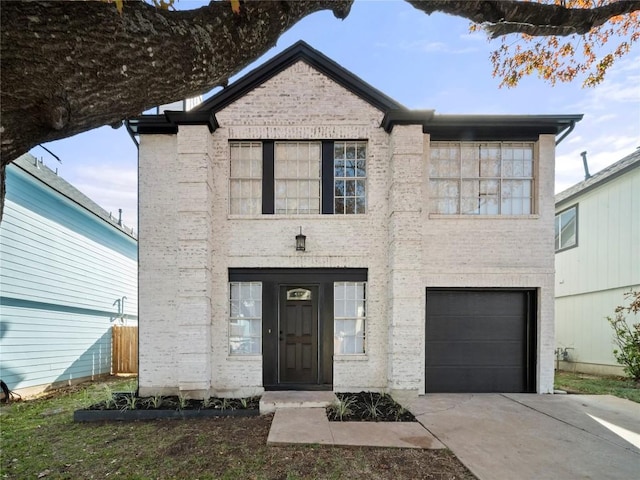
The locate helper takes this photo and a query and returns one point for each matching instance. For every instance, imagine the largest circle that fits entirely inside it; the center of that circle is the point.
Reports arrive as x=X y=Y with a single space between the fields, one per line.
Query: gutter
x=572 y=125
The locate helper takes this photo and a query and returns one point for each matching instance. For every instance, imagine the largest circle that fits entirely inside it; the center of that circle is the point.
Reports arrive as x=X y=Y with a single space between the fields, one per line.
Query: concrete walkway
x=311 y=425
x=536 y=436
x=300 y=417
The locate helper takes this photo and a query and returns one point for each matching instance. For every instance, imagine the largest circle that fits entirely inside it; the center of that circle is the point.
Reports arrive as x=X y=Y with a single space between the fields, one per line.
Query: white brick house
x=428 y=264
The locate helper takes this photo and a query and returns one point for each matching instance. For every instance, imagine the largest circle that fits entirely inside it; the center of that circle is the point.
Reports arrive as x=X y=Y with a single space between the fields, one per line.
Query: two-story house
x=302 y=230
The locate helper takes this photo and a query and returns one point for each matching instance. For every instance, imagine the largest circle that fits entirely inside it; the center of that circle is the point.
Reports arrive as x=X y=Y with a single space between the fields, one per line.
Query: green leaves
x=627 y=336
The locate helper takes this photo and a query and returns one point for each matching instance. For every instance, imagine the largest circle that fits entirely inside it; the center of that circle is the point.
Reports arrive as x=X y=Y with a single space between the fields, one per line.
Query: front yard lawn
x=38 y=439
x=596 y=385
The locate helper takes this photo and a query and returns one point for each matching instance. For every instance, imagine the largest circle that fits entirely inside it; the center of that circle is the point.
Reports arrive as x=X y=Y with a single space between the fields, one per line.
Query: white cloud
x=427 y=46
x=622 y=85
x=111 y=187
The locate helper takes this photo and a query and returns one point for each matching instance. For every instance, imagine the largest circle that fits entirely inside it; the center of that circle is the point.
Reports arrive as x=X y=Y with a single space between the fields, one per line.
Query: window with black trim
x=567 y=228
x=349 y=300
x=298 y=177
x=481 y=178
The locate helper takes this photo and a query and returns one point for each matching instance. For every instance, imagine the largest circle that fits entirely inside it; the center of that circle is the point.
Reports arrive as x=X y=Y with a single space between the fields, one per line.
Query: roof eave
x=300 y=51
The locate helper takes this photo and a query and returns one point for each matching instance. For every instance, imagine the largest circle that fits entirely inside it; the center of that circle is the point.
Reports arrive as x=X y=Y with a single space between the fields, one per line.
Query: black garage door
x=480 y=341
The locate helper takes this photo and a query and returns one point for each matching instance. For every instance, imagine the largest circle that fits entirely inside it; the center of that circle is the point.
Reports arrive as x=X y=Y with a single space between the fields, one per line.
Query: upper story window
x=245 y=178
x=567 y=228
x=297 y=177
x=473 y=178
x=350 y=177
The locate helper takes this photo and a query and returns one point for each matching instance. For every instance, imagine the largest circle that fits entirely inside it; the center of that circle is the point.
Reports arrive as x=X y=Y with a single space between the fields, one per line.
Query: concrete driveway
x=526 y=436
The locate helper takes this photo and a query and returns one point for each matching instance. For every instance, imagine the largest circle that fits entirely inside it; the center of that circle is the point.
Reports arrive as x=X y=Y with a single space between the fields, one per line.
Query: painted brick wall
x=188 y=241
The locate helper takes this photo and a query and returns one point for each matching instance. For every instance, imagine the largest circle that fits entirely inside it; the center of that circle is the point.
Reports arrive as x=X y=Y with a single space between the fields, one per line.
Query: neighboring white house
x=302 y=230
x=597 y=261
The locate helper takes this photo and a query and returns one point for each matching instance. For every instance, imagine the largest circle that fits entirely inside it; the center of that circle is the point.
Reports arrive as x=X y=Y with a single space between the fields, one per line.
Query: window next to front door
x=297 y=177
x=245 y=318
x=349 y=312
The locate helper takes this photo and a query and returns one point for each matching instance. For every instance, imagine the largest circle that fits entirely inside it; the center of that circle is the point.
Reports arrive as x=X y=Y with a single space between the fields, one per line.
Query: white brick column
x=546 y=310
x=406 y=298
x=157 y=264
x=194 y=283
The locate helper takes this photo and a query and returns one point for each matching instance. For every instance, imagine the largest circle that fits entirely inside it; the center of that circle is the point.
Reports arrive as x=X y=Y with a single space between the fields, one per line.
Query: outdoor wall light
x=301 y=241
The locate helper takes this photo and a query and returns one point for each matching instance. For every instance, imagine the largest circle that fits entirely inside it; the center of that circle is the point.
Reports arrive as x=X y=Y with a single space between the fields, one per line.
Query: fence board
x=124 y=353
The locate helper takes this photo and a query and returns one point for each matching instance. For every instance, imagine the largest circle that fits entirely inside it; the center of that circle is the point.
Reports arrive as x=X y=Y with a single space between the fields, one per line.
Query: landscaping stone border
x=135 y=415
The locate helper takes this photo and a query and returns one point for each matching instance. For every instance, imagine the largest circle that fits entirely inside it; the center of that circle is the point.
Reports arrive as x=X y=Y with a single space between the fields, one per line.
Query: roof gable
x=300 y=51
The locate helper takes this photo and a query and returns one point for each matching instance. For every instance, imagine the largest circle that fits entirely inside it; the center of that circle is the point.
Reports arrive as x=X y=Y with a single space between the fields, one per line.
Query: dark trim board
x=480 y=340
x=273 y=279
x=299 y=51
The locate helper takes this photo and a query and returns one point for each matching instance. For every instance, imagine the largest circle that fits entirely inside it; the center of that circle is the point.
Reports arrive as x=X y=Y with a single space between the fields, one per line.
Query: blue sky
x=424 y=62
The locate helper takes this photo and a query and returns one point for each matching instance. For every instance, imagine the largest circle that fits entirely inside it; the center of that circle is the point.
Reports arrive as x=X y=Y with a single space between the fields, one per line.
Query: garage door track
x=528 y=436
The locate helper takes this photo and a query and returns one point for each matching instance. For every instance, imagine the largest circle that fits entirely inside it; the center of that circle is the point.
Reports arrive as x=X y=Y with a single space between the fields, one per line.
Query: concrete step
x=271 y=401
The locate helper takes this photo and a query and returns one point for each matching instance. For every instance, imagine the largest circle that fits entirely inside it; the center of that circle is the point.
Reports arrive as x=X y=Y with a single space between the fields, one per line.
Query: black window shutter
x=268 y=180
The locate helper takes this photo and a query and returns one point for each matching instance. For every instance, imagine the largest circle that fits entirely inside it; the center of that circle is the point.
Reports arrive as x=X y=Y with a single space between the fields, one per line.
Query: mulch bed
x=368 y=407
x=129 y=401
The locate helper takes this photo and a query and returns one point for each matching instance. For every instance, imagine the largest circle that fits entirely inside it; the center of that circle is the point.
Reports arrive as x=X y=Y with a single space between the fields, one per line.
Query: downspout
x=565 y=134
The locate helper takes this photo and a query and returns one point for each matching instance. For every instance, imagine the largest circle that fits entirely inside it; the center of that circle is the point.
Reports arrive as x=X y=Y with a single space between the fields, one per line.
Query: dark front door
x=298 y=334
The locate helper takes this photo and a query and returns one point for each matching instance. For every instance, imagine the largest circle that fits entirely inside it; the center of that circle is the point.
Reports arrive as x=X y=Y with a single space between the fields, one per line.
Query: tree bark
x=502 y=17
x=68 y=67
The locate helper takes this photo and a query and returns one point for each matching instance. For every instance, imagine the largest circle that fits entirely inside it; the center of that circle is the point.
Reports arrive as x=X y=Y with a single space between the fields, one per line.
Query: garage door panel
x=498 y=354
x=477 y=380
x=479 y=340
x=475 y=328
x=461 y=303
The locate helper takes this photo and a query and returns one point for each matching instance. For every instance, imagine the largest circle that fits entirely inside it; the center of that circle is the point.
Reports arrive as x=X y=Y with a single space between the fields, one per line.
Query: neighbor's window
x=567 y=228
x=349 y=312
x=473 y=178
x=245 y=318
x=245 y=179
x=297 y=177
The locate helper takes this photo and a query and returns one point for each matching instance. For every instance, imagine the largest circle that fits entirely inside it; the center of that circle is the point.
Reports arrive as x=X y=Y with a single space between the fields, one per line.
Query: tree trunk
x=68 y=67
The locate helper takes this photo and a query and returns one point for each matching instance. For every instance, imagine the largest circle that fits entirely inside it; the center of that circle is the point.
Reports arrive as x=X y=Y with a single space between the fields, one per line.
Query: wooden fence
x=124 y=350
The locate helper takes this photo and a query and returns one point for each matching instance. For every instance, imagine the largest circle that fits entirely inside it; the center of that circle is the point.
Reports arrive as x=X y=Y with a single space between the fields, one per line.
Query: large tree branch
x=502 y=17
x=67 y=67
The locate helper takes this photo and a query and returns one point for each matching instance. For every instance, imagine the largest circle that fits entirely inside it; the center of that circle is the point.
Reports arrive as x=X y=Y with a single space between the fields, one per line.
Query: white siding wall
x=62 y=270
x=592 y=277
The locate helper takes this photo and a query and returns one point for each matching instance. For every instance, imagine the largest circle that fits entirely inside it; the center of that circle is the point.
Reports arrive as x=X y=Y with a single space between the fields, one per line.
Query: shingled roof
x=32 y=166
x=605 y=175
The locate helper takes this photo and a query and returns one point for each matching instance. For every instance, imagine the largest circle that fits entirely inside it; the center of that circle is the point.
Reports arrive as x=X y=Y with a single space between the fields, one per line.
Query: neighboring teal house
x=68 y=273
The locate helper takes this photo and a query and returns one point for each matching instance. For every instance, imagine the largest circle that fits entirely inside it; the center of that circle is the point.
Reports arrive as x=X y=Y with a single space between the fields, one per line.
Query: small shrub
x=130 y=401
x=342 y=409
x=154 y=402
x=627 y=336
x=372 y=406
x=183 y=402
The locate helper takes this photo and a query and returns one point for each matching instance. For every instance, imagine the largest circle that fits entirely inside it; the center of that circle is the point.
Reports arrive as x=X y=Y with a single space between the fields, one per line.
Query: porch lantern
x=301 y=241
